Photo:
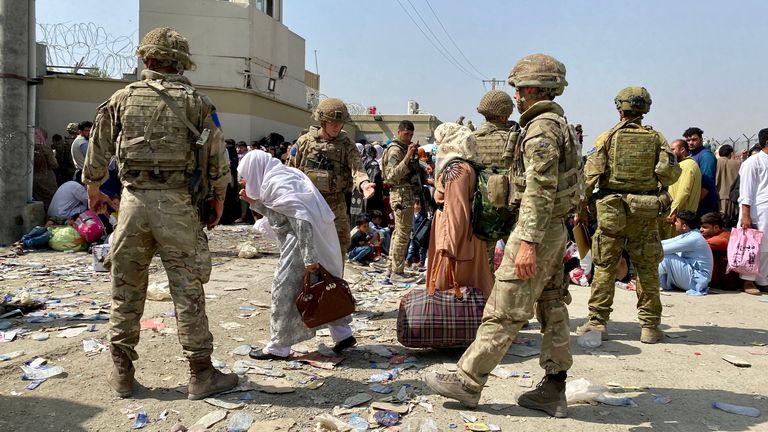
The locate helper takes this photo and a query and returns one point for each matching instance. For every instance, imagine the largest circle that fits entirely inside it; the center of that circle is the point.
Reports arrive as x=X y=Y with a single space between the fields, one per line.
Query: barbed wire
x=71 y=47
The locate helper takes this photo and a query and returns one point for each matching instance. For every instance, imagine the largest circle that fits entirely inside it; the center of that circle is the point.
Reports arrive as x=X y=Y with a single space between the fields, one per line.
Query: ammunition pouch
x=322 y=179
x=498 y=190
x=644 y=206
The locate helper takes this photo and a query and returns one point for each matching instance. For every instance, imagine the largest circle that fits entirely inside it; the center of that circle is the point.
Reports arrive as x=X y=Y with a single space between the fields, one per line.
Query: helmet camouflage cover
x=539 y=70
x=72 y=127
x=634 y=99
x=331 y=109
x=166 y=44
x=496 y=103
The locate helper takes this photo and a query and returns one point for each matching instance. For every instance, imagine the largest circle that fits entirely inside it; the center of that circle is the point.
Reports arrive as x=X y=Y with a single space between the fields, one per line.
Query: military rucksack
x=632 y=156
x=492 y=219
x=152 y=136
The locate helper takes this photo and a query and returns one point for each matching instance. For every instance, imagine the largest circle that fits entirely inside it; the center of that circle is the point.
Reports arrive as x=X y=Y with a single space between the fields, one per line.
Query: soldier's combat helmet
x=167 y=45
x=72 y=127
x=539 y=70
x=331 y=109
x=633 y=99
x=496 y=103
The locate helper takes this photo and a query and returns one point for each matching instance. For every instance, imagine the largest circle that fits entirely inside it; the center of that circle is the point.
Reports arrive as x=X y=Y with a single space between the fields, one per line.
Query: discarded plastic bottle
x=385 y=376
x=737 y=409
x=357 y=422
x=141 y=420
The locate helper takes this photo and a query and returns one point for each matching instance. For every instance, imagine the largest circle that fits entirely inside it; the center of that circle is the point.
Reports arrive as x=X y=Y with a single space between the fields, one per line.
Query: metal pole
x=16 y=148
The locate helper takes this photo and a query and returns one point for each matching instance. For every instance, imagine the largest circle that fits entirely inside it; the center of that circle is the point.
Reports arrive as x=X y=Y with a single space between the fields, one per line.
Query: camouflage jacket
x=542 y=149
x=346 y=164
x=398 y=171
x=107 y=128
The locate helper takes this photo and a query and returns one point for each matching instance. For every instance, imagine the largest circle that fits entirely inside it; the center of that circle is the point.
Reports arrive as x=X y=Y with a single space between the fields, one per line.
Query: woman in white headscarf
x=455 y=254
x=302 y=223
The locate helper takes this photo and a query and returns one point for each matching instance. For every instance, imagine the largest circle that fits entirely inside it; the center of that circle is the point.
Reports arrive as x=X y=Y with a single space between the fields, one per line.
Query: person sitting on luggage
x=687 y=262
x=360 y=248
x=454 y=253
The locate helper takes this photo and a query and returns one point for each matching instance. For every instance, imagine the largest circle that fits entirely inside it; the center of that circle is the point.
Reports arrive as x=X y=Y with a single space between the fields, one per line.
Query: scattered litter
x=5 y=324
x=211 y=418
x=525 y=382
x=661 y=399
x=242 y=350
x=16 y=354
x=320 y=361
x=759 y=351
x=357 y=399
x=380 y=388
x=611 y=400
x=141 y=420
x=385 y=376
x=503 y=373
x=467 y=417
x=8 y=336
x=329 y=423
x=230 y=325
x=736 y=409
x=581 y=390
x=590 y=339
x=420 y=424
x=159 y=291
x=224 y=404
x=405 y=393
x=276 y=386
x=357 y=422
x=150 y=324
x=386 y=406
x=240 y=422
x=476 y=426
x=93 y=346
x=282 y=425
x=325 y=350
x=736 y=361
x=379 y=350
x=247 y=250
x=386 y=418
x=41 y=372
x=603 y=354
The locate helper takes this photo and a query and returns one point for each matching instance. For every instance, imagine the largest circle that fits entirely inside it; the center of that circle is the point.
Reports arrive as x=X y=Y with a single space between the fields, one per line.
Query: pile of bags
x=88 y=228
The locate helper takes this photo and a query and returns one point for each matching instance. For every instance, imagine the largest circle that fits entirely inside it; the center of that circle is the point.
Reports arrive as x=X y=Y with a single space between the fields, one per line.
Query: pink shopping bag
x=744 y=251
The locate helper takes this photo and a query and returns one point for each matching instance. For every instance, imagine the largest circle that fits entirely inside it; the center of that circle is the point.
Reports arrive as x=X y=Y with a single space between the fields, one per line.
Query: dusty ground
x=687 y=368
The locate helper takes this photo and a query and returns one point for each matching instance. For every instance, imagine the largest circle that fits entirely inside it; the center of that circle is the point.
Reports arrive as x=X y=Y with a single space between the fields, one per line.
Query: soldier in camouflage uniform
x=492 y=137
x=330 y=159
x=169 y=149
x=397 y=168
x=628 y=165
x=547 y=183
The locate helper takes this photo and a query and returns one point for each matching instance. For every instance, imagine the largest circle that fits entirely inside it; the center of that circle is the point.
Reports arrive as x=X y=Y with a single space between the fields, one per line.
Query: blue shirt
x=693 y=248
x=707 y=164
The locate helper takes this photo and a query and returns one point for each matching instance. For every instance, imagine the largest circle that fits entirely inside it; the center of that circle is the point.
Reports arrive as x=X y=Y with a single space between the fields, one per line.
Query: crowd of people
x=661 y=210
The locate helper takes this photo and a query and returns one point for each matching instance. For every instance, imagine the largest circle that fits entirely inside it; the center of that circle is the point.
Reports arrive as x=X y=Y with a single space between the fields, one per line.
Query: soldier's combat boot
x=205 y=380
x=548 y=396
x=591 y=325
x=651 y=335
x=448 y=385
x=121 y=376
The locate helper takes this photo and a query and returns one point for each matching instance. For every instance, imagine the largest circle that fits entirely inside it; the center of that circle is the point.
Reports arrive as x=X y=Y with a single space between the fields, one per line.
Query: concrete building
x=374 y=127
x=248 y=62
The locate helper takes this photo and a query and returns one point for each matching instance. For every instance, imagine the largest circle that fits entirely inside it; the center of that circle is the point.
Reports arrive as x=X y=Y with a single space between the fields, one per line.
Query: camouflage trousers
x=491 y=248
x=512 y=303
x=402 y=206
x=162 y=221
x=338 y=206
x=619 y=228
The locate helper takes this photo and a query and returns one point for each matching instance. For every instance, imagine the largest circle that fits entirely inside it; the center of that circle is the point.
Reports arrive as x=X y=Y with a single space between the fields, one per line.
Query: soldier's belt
x=602 y=193
x=552 y=294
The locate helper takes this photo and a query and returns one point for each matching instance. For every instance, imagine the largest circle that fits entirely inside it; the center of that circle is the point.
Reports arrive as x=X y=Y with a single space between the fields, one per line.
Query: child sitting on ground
x=360 y=247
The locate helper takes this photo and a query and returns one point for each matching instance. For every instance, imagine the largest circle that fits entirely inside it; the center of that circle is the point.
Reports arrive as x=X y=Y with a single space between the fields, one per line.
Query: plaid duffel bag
x=439 y=319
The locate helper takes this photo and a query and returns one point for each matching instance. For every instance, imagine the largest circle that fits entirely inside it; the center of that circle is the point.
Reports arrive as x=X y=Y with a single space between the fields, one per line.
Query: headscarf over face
x=454 y=141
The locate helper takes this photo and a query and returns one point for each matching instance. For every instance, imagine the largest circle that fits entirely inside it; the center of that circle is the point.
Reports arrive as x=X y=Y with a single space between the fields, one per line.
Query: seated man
x=68 y=202
x=713 y=230
x=687 y=263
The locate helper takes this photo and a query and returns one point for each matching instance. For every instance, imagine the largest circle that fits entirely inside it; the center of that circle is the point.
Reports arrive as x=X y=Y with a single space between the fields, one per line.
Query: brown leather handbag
x=324 y=301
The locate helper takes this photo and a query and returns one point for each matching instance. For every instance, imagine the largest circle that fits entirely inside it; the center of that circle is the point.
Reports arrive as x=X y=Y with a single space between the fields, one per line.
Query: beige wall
x=228 y=38
x=386 y=128
x=245 y=115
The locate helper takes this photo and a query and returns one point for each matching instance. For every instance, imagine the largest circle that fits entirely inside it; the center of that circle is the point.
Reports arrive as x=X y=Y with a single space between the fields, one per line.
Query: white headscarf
x=290 y=192
x=379 y=152
x=359 y=147
x=454 y=141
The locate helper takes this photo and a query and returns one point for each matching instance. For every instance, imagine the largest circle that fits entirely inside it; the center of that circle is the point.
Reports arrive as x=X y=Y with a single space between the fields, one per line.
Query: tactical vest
x=152 y=137
x=570 y=179
x=490 y=146
x=412 y=183
x=325 y=162
x=632 y=155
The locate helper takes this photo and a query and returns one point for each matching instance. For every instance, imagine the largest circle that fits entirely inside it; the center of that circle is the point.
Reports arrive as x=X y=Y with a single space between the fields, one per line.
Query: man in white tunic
x=753 y=200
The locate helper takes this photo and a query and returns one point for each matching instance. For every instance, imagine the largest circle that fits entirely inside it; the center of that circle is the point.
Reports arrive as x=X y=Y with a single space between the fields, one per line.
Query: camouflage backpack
x=492 y=219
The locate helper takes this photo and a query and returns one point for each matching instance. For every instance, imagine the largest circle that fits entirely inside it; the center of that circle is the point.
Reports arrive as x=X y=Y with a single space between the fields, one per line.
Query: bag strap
x=450 y=275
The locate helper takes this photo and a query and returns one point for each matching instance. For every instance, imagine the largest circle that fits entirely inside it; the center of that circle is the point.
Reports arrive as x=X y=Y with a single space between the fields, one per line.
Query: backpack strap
x=161 y=91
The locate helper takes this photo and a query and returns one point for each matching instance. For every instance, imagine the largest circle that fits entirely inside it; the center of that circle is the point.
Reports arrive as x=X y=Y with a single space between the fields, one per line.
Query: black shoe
x=261 y=355
x=344 y=344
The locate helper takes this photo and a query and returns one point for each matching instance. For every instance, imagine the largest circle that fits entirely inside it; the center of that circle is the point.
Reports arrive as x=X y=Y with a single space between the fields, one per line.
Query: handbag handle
x=450 y=274
x=324 y=275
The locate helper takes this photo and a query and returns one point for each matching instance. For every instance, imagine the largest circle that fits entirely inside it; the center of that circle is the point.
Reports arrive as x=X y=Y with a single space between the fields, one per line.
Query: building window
x=266 y=6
